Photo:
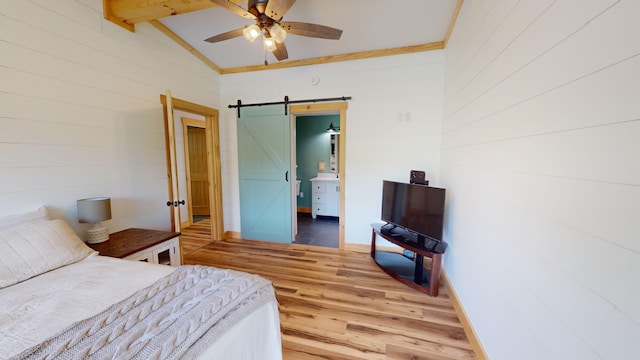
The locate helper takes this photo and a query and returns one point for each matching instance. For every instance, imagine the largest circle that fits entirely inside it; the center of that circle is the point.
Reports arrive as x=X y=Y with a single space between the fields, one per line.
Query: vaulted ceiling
x=371 y=28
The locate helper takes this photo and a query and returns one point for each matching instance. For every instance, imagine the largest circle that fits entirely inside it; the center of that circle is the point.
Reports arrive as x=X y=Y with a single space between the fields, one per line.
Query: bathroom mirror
x=333 y=162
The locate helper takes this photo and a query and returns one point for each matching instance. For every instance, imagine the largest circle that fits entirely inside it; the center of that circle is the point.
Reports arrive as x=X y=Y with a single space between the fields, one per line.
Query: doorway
x=196 y=169
x=339 y=109
x=210 y=115
x=317 y=179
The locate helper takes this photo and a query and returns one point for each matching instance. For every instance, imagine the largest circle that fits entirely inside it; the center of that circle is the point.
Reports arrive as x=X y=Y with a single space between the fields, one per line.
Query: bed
x=60 y=299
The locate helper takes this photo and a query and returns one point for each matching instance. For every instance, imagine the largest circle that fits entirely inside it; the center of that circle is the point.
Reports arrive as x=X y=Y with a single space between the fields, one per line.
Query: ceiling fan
x=268 y=15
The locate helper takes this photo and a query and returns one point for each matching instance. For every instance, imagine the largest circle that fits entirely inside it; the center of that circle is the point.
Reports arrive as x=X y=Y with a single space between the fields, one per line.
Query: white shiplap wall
x=540 y=149
x=80 y=111
x=393 y=125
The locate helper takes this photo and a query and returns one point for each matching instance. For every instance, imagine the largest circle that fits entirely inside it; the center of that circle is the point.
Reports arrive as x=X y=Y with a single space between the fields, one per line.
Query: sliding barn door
x=264 y=164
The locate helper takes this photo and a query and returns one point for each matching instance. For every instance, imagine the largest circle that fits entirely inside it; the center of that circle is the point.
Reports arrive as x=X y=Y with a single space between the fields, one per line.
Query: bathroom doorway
x=334 y=108
x=318 y=180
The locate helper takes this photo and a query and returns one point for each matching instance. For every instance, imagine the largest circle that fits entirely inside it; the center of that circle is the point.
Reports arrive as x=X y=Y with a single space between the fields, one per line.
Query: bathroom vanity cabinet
x=325 y=197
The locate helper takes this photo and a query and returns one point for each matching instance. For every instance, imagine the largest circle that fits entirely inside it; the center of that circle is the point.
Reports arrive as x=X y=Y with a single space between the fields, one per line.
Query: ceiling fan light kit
x=251 y=32
x=278 y=33
x=269 y=43
x=268 y=16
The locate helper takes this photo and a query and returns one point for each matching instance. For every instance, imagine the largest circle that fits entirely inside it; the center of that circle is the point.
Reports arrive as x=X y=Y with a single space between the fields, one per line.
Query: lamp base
x=97 y=234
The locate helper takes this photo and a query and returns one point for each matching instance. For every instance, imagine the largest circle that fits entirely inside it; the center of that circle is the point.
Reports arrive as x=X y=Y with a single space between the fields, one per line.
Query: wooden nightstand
x=154 y=246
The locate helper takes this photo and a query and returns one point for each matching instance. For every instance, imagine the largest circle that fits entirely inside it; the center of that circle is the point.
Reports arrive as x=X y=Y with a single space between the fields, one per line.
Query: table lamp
x=95 y=210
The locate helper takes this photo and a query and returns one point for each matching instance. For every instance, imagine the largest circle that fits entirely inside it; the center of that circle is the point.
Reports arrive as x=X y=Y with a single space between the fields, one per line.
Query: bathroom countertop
x=324 y=179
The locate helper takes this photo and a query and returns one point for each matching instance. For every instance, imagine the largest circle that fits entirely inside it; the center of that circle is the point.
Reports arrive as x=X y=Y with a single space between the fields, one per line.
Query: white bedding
x=33 y=310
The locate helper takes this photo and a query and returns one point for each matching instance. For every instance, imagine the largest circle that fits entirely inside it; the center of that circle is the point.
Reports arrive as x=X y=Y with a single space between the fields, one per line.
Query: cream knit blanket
x=163 y=320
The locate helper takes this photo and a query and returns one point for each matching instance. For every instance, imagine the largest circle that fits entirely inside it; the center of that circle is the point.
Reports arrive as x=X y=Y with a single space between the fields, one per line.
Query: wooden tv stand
x=408 y=271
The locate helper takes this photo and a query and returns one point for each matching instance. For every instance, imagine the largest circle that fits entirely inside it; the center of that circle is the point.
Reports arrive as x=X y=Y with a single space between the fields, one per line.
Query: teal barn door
x=264 y=165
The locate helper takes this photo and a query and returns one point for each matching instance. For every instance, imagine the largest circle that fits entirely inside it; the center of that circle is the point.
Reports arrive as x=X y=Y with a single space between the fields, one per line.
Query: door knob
x=176 y=203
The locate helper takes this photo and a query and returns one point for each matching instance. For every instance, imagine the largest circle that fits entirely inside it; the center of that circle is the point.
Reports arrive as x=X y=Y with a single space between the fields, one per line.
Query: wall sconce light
x=332 y=129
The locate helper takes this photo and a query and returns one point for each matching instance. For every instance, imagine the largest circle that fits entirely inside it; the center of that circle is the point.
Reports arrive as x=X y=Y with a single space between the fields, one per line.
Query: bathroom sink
x=328 y=176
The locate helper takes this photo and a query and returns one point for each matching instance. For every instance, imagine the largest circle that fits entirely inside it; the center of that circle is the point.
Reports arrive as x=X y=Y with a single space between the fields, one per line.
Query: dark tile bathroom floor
x=321 y=231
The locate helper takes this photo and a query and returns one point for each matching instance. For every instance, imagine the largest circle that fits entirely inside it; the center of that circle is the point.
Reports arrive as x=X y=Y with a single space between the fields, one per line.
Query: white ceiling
x=367 y=25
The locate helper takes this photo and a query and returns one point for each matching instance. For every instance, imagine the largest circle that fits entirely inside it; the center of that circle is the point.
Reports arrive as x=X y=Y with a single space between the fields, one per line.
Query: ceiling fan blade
x=225 y=36
x=311 y=30
x=281 y=52
x=227 y=4
x=277 y=8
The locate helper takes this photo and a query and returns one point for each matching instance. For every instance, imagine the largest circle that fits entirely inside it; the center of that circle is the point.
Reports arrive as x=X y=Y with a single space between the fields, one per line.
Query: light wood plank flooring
x=338 y=304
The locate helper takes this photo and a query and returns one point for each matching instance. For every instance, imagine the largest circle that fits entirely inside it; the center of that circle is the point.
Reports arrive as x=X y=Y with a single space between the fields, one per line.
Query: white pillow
x=25 y=218
x=32 y=249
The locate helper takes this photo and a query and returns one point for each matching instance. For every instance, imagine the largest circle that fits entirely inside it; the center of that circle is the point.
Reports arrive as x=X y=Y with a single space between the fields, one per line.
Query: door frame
x=212 y=130
x=336 y=108
x=186 y=124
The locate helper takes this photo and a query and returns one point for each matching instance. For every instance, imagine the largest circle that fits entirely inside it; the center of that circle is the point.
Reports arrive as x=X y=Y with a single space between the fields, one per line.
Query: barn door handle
x=286 y=176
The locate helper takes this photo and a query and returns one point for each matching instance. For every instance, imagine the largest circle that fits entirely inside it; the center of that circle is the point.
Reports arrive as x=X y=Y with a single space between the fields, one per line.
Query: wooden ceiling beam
x=180 y=41
x=127 y=13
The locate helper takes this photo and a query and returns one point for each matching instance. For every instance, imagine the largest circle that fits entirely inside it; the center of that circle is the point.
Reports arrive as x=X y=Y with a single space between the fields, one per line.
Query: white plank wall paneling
x=80 y=112
x=540 y=157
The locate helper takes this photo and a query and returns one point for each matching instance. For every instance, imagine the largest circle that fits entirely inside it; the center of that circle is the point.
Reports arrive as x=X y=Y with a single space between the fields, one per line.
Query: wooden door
x=198 y=171
x=264 y=164
x=174 y=200
x=213 y=158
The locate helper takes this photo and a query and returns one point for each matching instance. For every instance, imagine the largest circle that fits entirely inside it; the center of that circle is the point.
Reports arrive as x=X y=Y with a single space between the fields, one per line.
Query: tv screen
x=416 y=208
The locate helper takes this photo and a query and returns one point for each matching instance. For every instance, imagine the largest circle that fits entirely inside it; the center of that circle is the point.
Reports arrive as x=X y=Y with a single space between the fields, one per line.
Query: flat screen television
x=416 y=208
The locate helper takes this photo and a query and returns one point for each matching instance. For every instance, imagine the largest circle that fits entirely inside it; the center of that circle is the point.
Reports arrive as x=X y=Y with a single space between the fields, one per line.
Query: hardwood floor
x=338 y=304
